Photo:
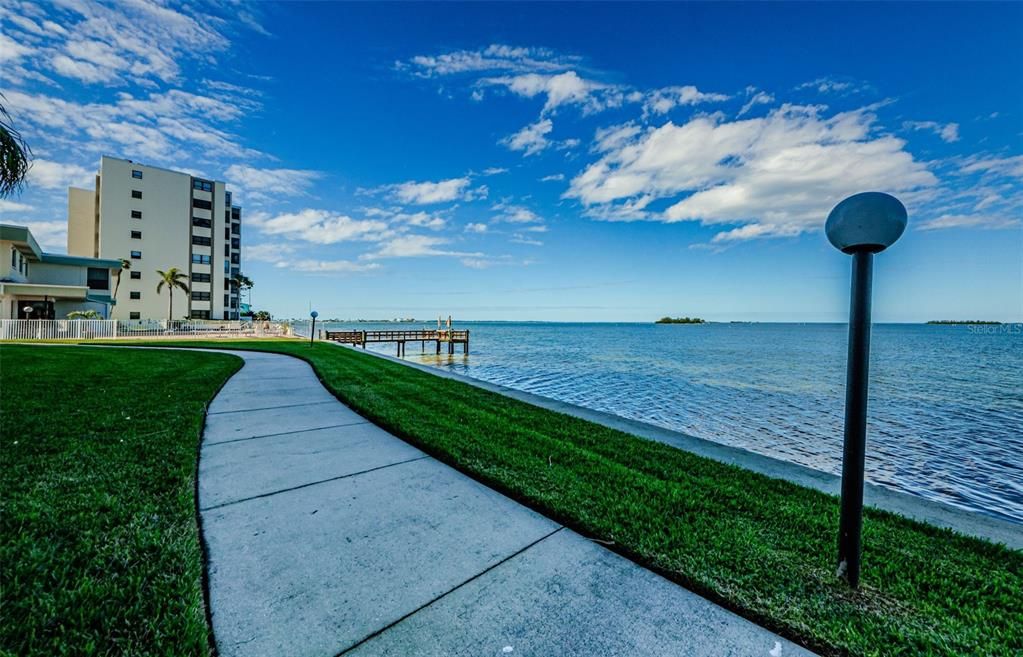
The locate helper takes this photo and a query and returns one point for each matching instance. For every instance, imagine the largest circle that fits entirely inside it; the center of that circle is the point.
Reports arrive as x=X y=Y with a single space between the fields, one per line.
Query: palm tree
x=172 y=278
x=125 y=264
x=243 y=283
x=14 y=156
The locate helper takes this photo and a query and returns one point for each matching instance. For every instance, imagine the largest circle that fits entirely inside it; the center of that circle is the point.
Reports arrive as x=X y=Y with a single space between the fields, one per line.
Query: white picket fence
x=91 y=329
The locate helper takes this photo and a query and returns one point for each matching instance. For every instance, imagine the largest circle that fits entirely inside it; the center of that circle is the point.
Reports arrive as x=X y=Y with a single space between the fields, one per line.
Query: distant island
x=680 y=320
x=961 y=321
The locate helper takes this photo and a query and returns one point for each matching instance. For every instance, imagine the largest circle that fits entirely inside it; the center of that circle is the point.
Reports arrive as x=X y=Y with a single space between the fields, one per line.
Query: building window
x=236 y=214
x=227 y=233
x=202 y=223
x=134 y=315
x=199 y=203
x=200 y=278
x=235 y=259
x=200 y=296
x=236 y=243
x=14 y=258
x=136 y=255
x=202 y=185
x=236 y=229
x=227 y=300
x=135 y=295
x=227 y=267
x=135 y=173
x=136 y=193
x=200 y=259
x=200 y=314
x=136 y=234
x=136 y=214
x=227 y=250
x=201 y=241
x=136 y=275
x=98 y=278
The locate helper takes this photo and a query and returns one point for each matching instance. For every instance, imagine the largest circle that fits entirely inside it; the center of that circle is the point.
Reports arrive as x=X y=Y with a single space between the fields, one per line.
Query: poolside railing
x=94 y=329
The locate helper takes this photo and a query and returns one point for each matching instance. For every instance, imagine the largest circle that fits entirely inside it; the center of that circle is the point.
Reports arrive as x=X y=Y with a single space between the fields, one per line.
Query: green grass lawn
x=100 y=552
x=762 y=547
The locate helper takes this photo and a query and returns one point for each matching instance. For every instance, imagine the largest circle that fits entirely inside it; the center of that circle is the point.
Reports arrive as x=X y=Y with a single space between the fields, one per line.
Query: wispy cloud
x=949 y=132
x=429 y=192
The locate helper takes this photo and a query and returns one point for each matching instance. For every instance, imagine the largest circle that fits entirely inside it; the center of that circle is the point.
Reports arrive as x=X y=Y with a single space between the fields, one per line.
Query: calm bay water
x=946 y=402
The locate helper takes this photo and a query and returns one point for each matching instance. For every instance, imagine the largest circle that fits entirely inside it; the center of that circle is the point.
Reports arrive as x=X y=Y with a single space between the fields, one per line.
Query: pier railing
x=400 y=337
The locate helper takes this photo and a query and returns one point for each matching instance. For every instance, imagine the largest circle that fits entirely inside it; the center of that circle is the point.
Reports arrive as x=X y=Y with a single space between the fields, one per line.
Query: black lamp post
x=312 y=331
x=861 y=225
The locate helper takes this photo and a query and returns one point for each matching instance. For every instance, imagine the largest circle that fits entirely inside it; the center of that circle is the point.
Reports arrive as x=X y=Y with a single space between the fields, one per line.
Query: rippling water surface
x=945 y=410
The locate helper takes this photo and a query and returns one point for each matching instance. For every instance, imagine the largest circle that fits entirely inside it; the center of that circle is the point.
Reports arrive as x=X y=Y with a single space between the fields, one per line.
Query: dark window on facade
x=199 y=203
x=135 y=173
x=136 y=255
x=227 y=198
x=136 y=193
x=136 y=214
x=227 y=250
x=236 y=229
x=134 y=295
x=200 y=314
x=227 y=284
x=227 y=233
x=134 y=315
x=227 y=300
x=98 y=278
x=235 y=259
x=202 y=223
x=203 y=185
x=200 y=278
x=14 y=258
x=136 y=234
x=136 y=275
x=201 y=241
x=236 y=214
x=200 y=296
x=236 y=243
x=200 y=259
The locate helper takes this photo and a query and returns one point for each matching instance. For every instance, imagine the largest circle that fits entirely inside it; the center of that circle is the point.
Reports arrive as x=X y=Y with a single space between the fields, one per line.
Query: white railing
x=92 y=329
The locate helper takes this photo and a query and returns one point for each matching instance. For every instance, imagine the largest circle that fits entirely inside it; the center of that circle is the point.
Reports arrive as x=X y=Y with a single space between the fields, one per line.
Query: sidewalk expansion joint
x=267 y=408
x=286 y=433
x=312 y=483
x=446 y=593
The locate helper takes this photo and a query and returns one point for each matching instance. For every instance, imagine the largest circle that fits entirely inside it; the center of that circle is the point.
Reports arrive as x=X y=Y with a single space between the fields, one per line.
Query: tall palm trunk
x=170 y=304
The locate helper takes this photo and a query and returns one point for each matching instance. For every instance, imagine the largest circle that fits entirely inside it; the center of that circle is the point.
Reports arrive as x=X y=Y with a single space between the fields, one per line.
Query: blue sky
x=551 y=162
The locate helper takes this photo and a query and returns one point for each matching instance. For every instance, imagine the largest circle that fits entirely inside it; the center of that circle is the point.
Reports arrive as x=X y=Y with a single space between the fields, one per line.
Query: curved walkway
x=326 y=536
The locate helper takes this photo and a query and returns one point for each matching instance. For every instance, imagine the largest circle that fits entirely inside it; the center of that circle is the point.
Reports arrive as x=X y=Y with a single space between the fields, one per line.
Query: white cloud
x=949 y=132
x=554 y=177
x=493 y=171
x=10 y=206
x=56 y=175
x=320 y=227
x=755 y=98
x=515 y=214
x=1004 y=166
x=415 y=246
x=429 y=193
x=496 y=57
x=329 y=266
x=662 y=101
x=476 y=228
x=777 y=175
x=519 y=238
x=267 y=183
x=11 y=51
x=566 y=88
x=51 y=235
x=986 y=221
x=830 y=85
x=531 y=139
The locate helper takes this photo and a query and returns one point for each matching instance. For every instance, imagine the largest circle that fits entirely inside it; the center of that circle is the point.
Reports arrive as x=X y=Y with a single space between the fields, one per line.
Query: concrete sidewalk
x=326 y=535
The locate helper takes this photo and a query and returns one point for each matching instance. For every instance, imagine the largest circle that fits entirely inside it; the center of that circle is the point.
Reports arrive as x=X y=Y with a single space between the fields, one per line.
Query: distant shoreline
x=963 y=321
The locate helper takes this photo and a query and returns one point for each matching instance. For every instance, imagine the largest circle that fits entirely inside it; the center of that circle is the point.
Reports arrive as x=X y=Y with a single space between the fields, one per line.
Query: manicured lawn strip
x=100 y=552
x=761 y=546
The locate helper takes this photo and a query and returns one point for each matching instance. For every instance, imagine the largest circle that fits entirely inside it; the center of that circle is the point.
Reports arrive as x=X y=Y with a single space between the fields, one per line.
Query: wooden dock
x=361 y=338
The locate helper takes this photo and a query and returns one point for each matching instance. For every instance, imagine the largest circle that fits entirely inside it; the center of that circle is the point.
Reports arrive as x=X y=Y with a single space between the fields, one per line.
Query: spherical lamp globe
x=871 y=221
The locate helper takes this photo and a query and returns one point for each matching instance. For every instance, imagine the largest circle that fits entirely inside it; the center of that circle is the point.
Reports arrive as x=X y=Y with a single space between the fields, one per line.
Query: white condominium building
x=157 y=219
